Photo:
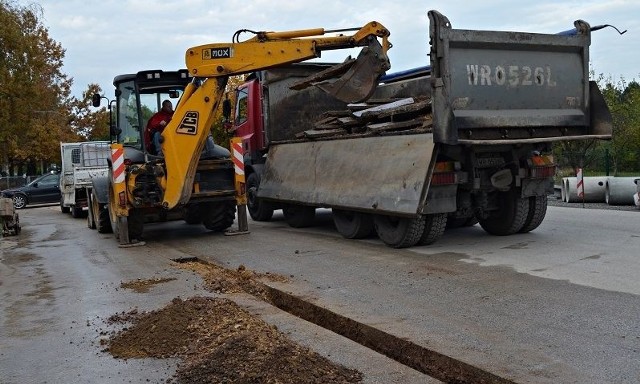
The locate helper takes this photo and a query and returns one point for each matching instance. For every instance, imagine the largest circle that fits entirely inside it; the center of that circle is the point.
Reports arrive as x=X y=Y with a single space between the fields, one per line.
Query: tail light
x=444 y=173
x=541 y=167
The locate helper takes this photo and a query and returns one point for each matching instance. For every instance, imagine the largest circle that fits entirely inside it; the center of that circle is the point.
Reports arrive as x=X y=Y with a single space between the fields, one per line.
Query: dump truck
x=466 y=139
x=81 y=162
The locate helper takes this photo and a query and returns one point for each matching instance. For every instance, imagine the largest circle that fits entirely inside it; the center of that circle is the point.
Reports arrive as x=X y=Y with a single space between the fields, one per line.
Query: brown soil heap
x=220 y=342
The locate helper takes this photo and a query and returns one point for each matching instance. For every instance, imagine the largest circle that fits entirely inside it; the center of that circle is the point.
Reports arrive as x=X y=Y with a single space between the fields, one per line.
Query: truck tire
x=510 y=217
x=218 y=216
x=537 y=212
x=434 y=226
x=399 y=232
x=299 y=216
x=352 y=225
x=100 y=214
x=64 y=209
x=193 y=214
x=259 y=210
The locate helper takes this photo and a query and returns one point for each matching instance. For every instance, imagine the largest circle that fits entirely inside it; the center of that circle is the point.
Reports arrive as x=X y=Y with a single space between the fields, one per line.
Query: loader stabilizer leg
x=237 y=153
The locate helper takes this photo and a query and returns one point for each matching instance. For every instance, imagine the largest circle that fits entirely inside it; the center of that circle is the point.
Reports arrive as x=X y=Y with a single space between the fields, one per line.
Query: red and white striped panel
x=117 y=158
x=238 y=158
x=580 y=185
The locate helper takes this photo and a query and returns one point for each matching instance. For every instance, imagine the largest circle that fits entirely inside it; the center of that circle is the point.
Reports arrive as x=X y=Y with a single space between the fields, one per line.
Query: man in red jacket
x=155 y=126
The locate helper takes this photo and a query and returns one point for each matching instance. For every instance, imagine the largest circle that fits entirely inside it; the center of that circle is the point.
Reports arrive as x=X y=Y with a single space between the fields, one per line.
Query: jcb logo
x=189 y=124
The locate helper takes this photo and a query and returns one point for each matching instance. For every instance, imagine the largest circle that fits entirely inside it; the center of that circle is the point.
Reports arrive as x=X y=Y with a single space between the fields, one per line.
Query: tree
x=87 y=123
x=34 y=93
x=221 y=135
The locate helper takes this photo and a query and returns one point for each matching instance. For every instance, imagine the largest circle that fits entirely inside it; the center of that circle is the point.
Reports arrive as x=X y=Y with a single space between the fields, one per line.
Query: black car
x=44 y=189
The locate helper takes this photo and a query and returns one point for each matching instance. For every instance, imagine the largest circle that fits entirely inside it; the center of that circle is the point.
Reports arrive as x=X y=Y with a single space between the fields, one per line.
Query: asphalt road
x=559 y=304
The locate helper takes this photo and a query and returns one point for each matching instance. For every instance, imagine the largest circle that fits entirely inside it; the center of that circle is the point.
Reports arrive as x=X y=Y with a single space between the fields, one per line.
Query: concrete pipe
x=594 y=189
x=563 y=189
x=620 y=190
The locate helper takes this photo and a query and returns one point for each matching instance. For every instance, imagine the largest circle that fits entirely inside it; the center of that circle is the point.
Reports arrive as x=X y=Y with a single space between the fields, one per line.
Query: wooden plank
x=374 y=111
x=390 y=126
x=405 y=109
x=348 y=121
x=315 y=134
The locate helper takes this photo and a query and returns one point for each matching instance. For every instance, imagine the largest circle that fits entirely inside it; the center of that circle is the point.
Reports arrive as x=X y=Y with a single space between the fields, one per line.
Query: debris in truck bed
x=374 y=117
x=373 y=111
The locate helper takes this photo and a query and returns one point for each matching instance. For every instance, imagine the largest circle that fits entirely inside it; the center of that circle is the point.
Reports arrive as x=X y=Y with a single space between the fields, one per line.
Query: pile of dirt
x=142 y=286
x=220 y=342
x=222 y=280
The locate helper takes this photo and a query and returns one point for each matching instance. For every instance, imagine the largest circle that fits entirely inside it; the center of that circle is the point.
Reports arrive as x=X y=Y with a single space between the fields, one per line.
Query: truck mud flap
x=384 y=174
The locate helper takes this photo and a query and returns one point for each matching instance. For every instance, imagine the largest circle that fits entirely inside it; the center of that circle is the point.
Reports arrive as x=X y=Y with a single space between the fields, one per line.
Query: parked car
x=636 y=197
x=44 y=189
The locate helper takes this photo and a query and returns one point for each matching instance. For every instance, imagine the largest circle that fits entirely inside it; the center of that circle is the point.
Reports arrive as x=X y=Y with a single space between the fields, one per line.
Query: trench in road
x=427 y=361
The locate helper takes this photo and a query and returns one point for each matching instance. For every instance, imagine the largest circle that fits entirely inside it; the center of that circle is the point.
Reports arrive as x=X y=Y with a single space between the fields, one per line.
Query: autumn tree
x=86 y=122
x=34 y=93
x=221 y=135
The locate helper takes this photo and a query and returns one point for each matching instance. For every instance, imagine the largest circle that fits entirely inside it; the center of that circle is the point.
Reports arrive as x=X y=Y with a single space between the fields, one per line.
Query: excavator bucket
x=354 y=80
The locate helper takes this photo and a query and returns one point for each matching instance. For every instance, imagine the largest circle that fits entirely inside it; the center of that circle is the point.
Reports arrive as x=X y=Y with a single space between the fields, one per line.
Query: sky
x=108 y=37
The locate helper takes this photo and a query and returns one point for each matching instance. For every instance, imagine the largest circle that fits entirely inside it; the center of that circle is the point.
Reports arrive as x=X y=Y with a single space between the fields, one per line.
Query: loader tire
x=193 y=214
x=353 y=225
x=537 y=212
x=299 y=216
x=100 y=215
x=135 y=222
x=510 y=217
x=259 y=210
x=399 y=232
x=218 y=216
x=434 y=226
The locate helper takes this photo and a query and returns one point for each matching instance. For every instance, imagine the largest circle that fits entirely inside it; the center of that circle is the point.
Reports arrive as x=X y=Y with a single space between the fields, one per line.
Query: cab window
x=242 y=106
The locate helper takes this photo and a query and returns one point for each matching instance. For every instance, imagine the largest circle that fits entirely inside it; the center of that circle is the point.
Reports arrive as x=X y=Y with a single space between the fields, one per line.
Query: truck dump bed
x=496 y=87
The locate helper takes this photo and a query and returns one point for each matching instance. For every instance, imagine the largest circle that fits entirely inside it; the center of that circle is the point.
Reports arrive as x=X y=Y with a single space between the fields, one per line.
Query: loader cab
x=138 y=97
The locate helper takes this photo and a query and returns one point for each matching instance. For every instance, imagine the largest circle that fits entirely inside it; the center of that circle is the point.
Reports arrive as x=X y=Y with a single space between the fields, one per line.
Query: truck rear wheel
x=537 y=212
x=352 y=225
x=434 y=226
x=64 y=209
x=399 y=232
x=218 y=216
x=299 y=216
x=259 y=210
x=510 y=217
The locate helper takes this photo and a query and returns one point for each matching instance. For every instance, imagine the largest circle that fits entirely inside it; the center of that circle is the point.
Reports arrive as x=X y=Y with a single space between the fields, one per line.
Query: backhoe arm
x=212 y=64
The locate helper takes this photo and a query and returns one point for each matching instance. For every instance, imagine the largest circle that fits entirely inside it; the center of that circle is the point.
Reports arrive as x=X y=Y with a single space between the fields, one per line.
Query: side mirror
x=35 y=185
x=95 y=100
x=226 y=109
